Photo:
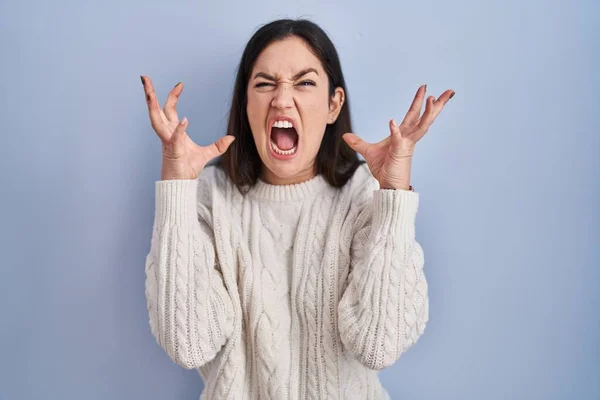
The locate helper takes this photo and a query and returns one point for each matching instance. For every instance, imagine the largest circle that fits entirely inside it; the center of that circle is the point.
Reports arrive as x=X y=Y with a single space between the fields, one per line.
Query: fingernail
x=394 y=124
x=142 y=78
x=183 y=121
x=178 y=83
x=452 y=95
x=425 y=87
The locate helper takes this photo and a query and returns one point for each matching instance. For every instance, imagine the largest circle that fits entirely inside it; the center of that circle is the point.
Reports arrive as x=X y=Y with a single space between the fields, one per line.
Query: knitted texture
x=287 y=292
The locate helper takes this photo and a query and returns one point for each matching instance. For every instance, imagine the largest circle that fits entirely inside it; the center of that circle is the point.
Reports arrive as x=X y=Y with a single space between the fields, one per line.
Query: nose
x=283 y=98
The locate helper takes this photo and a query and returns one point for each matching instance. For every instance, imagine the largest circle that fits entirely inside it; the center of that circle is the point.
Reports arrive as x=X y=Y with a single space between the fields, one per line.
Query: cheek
x=315 y=118
x=256 y=117
x=251 y=108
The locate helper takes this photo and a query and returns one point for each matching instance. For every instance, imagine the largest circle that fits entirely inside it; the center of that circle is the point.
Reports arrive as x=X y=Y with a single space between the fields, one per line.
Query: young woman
x=289 y=269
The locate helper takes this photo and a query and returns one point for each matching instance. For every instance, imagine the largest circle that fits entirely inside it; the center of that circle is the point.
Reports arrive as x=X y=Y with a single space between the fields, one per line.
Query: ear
x=335 y=104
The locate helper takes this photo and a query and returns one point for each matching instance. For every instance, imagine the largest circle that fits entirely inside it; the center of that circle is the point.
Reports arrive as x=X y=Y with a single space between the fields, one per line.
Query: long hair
x=335 y=160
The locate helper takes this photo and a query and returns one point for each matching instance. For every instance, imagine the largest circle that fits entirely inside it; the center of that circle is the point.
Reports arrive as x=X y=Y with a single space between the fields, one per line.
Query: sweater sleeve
x=190 y=311
x=385 y=306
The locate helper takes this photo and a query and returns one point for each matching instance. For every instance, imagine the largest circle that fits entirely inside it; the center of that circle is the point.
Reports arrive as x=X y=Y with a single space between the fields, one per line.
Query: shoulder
x=212 y=183
x=359 y=188
x=212 y=176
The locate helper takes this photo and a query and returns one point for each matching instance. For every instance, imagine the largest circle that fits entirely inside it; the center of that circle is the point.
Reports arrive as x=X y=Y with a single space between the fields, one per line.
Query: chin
x=288 y=171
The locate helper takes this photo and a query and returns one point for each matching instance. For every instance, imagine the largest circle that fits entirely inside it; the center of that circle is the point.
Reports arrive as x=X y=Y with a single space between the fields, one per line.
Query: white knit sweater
x=288 y=292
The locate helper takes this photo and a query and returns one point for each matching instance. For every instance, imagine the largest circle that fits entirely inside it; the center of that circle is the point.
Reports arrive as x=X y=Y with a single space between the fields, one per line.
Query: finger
x=171 y=104
x=438 y=106
x=177 y=141
x=154 y=110
x=415 y=108
x=440 y=102
x=428 y=115
x=356 y=143
x=395 y=136
x=149 y=89
x=394 y=128
x=218 y=148
x=147 y=83
x=156 y=119
x=445 y=97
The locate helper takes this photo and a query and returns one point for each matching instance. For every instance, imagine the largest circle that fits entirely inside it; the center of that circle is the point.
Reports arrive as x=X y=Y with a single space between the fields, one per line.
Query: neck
x=269 y=177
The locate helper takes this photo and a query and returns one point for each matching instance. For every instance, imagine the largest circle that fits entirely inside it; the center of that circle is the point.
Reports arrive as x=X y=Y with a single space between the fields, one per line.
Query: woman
x=288 y=270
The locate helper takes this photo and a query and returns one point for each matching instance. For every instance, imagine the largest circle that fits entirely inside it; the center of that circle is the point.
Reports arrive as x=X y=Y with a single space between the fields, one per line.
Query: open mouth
x=284 y=138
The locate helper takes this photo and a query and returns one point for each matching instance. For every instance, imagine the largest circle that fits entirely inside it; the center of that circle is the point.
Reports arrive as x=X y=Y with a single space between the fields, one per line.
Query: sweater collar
x=297 y=191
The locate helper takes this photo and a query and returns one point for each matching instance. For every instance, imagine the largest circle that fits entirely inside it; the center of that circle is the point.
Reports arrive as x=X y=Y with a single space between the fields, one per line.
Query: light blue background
x=508 y=177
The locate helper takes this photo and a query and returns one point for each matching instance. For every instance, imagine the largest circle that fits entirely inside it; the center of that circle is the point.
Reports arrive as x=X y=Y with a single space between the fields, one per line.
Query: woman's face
x=289 y=88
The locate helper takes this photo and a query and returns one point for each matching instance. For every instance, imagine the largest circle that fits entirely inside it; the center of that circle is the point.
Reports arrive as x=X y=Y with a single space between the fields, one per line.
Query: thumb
x=356 y=143
x=218 y=148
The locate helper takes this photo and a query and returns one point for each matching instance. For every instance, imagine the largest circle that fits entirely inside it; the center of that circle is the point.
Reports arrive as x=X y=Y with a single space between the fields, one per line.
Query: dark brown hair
x=336 y=161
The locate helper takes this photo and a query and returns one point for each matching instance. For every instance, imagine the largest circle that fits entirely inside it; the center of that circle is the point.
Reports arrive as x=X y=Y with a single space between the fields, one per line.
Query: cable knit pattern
x=190 y=310
x=273 y=341
x=287 y=292
x=385 y=307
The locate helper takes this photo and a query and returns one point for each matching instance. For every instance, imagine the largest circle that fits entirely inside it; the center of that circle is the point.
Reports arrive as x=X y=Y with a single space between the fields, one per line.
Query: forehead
x=286 y=57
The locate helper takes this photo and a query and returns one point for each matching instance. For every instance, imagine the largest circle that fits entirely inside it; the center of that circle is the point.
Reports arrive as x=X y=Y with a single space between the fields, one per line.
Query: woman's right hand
x=181 y=157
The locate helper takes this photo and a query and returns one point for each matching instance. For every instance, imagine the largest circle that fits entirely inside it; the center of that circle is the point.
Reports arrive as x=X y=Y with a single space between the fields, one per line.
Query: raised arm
x=191 y=313
x=384 y=308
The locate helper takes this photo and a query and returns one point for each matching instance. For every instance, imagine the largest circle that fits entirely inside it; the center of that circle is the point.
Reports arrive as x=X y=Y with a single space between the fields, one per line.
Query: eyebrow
x=295 y=77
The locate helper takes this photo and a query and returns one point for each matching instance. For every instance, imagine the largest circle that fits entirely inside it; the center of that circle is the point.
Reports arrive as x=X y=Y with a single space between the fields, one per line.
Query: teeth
x=282 y=152
x=282 y=124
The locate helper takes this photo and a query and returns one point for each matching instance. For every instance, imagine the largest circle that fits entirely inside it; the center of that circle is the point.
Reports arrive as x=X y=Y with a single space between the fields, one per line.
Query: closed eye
x=303 y=83
x=263 y=84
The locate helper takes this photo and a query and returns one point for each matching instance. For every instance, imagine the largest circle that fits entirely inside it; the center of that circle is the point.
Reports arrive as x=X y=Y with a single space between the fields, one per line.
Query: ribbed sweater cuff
x=176 y=201
x=395 y=211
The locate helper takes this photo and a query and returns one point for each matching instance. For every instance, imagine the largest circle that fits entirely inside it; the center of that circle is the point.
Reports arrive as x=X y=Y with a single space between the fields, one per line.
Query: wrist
x=399 y=187
x=401 y=184
x=172 y=177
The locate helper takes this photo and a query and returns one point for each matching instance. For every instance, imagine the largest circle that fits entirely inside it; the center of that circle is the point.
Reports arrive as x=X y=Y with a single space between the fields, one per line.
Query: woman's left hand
x=390 y=159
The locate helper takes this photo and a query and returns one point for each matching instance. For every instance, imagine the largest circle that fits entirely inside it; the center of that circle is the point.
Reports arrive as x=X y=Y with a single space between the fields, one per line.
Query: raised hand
x=181 y=157
x=390 y=159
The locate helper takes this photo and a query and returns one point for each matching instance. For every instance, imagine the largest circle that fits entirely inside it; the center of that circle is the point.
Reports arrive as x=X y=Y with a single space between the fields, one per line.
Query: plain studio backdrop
x=507 y=175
